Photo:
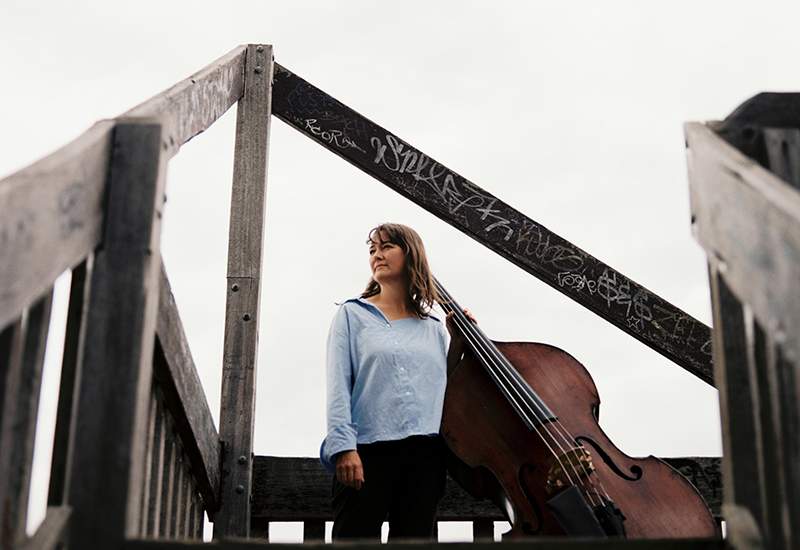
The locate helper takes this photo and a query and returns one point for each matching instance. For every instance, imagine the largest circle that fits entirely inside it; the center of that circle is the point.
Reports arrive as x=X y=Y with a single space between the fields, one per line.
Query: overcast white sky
x=572 y=113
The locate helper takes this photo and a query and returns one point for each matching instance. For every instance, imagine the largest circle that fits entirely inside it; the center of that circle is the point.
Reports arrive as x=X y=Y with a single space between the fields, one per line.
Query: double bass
x=521 y=422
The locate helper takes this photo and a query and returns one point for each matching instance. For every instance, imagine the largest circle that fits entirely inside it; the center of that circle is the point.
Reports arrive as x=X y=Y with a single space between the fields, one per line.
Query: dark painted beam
x=501 y=228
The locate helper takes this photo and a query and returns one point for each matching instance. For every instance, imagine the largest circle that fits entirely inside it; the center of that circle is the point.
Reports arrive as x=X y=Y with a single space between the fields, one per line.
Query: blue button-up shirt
x=386 y=379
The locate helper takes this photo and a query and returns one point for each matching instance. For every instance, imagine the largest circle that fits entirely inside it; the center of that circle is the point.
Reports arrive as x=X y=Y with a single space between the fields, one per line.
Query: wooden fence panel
x=120 y=332
x=245 y=245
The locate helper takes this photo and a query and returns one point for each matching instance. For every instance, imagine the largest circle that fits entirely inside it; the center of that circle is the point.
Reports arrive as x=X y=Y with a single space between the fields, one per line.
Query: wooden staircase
x=137 y=460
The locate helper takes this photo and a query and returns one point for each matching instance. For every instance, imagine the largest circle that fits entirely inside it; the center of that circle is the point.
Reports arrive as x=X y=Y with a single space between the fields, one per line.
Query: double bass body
x=509 y=463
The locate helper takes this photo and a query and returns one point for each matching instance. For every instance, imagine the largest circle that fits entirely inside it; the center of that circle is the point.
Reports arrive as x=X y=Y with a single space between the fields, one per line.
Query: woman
x=387 y=363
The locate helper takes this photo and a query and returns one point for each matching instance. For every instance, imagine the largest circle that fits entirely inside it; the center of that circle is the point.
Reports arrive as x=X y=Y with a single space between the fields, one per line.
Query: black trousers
x=403 y=481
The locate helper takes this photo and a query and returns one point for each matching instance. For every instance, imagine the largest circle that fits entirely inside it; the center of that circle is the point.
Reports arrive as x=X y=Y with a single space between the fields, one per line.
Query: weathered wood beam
x=744 y=178
x=496 y=225
x=746 y=218
x=175 y=371
x=70 y=377
x=299 y=489
x=20 y=406
x=50 y=217
x=194 y=103
x=51 y=212
x=245 y=245
x=107 y=452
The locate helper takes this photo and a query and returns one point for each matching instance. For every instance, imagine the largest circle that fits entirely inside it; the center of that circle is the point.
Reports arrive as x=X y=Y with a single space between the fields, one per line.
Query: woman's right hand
x=349 y=470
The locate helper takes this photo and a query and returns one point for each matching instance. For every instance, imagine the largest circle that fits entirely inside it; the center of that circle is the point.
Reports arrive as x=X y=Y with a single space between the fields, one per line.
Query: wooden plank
x=313 y=531
x=19 y=414
x=51 y=533
x=177 y=489
x=526 y=243
x=157 y=468
x=167 y=479
x=194 y=103
x=177 y=376
x=741 y=426
x=51 y=217
x=71 y=360
x=186 y=498
x=482 y=530
x=150 y=450
x=299 y=489
x=549 y=543
x=199 y=523
x=12 y=339
x=117 y=366
x=747 y=219
x=766 y=443
x=245 y=245
x=786 y=397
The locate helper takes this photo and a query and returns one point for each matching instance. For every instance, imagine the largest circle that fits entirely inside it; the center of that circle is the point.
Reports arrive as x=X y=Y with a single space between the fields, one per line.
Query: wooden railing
x=136 y=453
x=745 y=177
x=136 y=456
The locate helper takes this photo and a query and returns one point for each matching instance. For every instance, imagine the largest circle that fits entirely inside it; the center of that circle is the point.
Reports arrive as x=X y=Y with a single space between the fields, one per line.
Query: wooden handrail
x=51 y=212
x=177 y=376
x=506 y=231
x=194 y=103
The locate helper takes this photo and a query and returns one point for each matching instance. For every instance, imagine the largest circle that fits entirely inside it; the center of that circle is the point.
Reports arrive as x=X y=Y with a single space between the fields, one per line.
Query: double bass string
x=467 y=326
x=475 y=337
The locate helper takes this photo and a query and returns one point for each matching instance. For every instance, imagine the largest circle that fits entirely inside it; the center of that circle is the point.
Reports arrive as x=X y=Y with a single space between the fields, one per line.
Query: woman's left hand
x=452 y=328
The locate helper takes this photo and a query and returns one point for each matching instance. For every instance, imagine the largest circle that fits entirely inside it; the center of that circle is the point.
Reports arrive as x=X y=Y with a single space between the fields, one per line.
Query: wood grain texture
x=746 y=218
x=744 y=181
x=487 y=219
x=177 y=376
x=120 y=332
x=245 y=245
x=51 y=216
x=20 y=412
x=194 y=103
x=299 y=489
x=743 y=467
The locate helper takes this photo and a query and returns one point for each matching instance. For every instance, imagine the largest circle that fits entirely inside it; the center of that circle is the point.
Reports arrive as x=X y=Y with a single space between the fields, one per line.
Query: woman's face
x=386 y=260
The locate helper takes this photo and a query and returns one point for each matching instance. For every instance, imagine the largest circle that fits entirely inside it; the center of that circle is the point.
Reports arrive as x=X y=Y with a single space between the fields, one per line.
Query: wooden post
x=70 y=376
x=22 y=385
x=245 y=244
x=107 y=451
x=735 y=357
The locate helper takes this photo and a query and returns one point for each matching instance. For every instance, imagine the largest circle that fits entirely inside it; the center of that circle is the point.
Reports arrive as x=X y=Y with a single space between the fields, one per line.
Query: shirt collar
x=366 y=302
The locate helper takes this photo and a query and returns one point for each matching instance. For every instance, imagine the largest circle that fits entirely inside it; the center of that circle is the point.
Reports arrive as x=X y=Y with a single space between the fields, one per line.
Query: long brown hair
x=421 y=290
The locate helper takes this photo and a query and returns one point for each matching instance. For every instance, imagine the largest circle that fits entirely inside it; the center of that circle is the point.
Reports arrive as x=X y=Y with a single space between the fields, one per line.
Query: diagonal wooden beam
x=487 y=219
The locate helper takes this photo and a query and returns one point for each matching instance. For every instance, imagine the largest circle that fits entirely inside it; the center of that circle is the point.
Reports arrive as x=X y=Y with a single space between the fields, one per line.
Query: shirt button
x=408 y=393
x=387 y=324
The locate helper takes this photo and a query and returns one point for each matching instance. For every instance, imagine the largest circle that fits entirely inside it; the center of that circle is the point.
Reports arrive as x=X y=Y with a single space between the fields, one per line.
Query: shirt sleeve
x=342 y=431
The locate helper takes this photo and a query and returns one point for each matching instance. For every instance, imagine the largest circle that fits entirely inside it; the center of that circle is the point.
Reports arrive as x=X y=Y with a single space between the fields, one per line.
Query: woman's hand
x=349 y=470
x=456 y=337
